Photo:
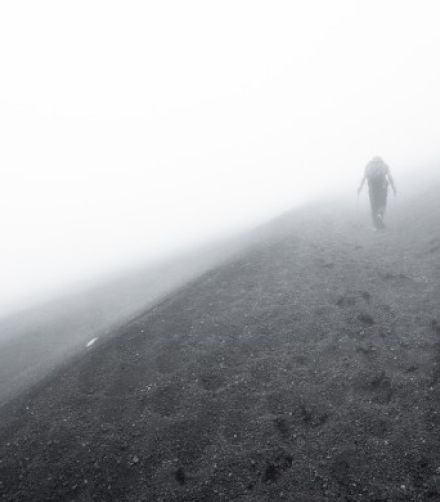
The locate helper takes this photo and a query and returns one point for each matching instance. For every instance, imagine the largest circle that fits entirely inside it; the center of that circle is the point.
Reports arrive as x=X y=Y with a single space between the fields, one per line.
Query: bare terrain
x=307 y=368
x=35 y=341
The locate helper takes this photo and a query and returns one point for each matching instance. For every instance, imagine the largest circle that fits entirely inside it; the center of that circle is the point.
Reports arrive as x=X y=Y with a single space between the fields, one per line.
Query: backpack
x=376 y=173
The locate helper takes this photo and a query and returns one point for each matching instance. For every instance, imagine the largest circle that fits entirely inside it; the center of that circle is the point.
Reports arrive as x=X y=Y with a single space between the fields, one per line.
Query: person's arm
x=390 y=179
x=362 y=184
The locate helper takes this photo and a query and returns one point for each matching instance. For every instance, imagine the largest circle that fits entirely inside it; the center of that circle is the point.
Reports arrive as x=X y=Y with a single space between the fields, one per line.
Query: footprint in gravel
x=283 y=425
x=366 y=350
x=274 y=469
x=212 y=381
x=379 y=385
x=365 y=319
x=435 y=325
x=344 y=467
x=179 y=476
x=388 y=276
x=328 y=265
x=346 y=301
x=365 y=295
x=412 y=368
x=421 y=471
x=312 y=417
x=300 y=360
x=350 y=300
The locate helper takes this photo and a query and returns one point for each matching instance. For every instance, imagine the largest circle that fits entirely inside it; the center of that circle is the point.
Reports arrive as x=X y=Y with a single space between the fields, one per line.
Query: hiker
x=378 y=175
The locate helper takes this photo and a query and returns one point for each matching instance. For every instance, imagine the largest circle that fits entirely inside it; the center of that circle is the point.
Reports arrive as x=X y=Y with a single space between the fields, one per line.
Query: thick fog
x=134 y=130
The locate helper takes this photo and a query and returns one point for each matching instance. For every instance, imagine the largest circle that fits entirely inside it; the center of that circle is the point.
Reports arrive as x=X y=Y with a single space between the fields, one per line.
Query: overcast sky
x=131 y=129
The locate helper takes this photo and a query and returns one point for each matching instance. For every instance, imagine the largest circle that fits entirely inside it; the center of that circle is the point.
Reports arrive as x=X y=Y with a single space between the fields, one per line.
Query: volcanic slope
x=305 y=369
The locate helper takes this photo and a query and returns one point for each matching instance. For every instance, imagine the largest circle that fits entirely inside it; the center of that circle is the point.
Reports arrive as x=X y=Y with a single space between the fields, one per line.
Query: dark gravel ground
x=306 y=369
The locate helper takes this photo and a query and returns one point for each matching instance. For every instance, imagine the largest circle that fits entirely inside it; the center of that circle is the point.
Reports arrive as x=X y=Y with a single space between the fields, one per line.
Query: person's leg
x=374 y=204
x=381 y=204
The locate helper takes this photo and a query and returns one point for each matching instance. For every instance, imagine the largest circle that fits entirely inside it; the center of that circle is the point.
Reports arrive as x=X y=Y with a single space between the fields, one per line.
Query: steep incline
x=307 y=369
x=35 y=341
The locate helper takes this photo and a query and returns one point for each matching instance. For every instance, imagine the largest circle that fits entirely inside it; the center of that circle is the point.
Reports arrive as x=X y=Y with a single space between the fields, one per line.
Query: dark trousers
x=378 y=202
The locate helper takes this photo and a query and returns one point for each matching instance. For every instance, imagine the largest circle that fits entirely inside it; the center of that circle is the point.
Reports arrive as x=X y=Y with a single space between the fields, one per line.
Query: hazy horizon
x=133 y=131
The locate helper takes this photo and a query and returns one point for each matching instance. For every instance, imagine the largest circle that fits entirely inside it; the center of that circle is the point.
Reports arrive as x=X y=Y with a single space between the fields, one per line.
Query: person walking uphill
x=378 y=175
